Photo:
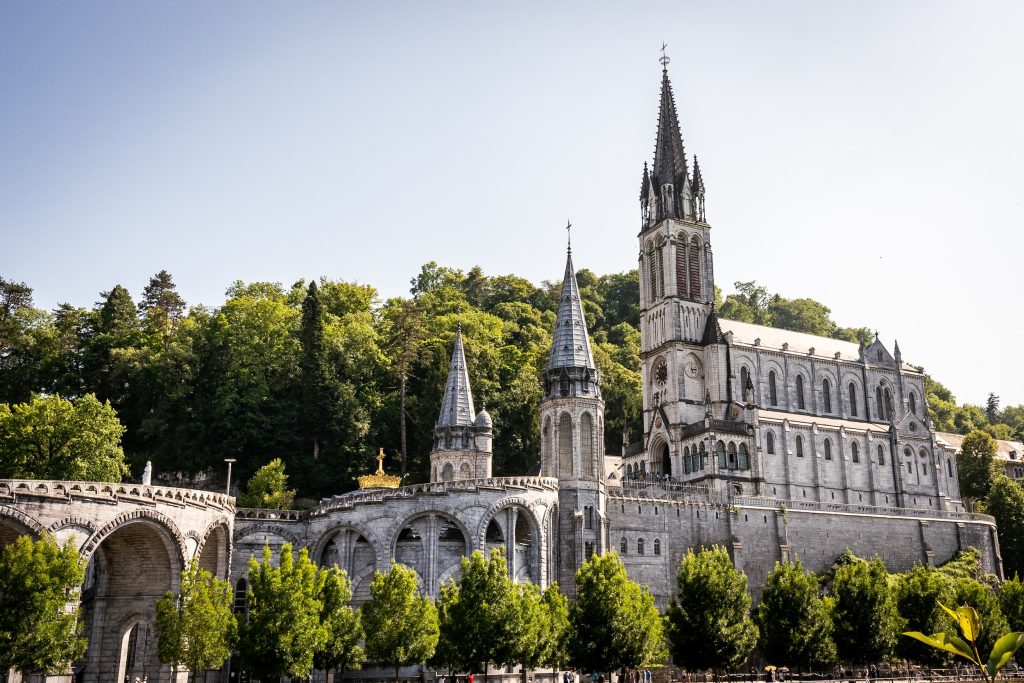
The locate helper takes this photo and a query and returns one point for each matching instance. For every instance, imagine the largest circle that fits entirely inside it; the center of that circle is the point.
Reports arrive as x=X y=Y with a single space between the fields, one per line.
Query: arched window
x=652 y=274
x=547 y=443
x=879 y=406
x=686 y=460
x=799 y=446
x=855 y=451
x=565 y=446
x=703 y=456
x=732 y=455
x=744 y=457
x=913 y=403
x=640 y=546
x=826 y=395
x=881 y=454
x=828 y=448
x=657 y=546
x=800 y=392
x=464 y=472
x=773 y=394
x=888 y=404
x=744 y=382
x=241 y=590
x=695 y=269
x=720 y=452
x=587 y=444
x=949 y=466
x=623 y=546
x=681 y=280
x=770 y=442
x=661 y=269
x=853 y=399
x=448 y=472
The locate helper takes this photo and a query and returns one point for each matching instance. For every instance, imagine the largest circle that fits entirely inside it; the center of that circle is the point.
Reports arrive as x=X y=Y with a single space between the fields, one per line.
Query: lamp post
x=229 y=461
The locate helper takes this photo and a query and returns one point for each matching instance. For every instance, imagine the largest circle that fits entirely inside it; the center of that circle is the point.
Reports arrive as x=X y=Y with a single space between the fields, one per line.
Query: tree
x=864 y=618
x=557 y=628
x=317 y=399
x=341 y=650
x=613 y=622
x=39 y=634
x=484 y=620
x=976 y=464
x=794 y=622
x=161 y=306
x=1011 y=602
x=919 y=593
x=401 y=626
x=283 y=630
x=404 y=333
x=709 y=624
x=1005 y=502
x=268 y=488
x=196 y=627
x=51 y=438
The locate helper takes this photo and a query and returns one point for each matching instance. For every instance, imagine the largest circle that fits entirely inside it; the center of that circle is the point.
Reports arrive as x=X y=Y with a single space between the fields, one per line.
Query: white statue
x=147 y=474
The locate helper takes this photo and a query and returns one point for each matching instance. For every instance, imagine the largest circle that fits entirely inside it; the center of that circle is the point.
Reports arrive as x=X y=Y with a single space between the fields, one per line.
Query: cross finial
x=568 y=232
x=380 y=462
x=664 y=57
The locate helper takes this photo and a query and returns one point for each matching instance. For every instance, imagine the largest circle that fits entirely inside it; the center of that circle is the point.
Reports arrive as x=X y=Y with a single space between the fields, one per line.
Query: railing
x=12 y=489
x=635 y=486
x=719 y=426
x=439 y=488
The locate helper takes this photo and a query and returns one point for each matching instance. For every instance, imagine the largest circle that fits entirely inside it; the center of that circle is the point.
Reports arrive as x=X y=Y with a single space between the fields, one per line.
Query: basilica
x=771 y=443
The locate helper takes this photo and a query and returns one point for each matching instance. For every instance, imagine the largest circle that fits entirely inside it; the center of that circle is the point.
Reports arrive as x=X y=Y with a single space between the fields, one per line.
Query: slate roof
x=835 y=422
x=570 y=346
x=457 y=405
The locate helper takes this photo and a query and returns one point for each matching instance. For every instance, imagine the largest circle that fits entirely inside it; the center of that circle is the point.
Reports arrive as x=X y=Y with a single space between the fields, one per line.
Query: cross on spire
x=664 y=60
x=568 y=232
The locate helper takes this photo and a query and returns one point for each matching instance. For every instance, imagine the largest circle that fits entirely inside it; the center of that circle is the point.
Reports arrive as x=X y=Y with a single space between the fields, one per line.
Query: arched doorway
x=350 y=550
x=664 y=460
x=127 y=573
x=433 y=544
x=513 y=521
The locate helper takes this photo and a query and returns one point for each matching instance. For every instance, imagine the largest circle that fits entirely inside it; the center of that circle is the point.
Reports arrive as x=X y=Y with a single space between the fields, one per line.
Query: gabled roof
x=570 y=347
x=457 y=404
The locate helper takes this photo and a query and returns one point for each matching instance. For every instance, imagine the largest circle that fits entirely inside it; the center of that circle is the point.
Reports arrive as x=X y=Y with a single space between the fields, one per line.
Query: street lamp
x=229 y=461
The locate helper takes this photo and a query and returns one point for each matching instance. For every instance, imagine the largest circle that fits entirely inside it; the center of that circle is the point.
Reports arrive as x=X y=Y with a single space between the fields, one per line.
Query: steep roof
x=457 y=404
x=669 y=153
x=570 y=346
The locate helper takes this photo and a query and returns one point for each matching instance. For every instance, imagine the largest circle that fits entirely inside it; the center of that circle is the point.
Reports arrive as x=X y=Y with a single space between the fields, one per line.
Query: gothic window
x=828 y=448
x=732 y=455
x=657 y=546
x=623 y=546
x=913 y=403
x=744 y=457
x=949 y=466
x=652 y=274
x=770 y=441
x=687 y=465
x=799 y=446
x=681 y=282
x=565 y=446
x=888 y=404
x=546 y=444
x=695 y=270
x=826 y=395
x=881 y=454
x=661 y=269
x=703 y=456
x=773 y=394
x=588 y=550
x=588 y=517
x=910 y=467
x=855 y=451
x=853 y=399
x=744 y=382
x=879 y=406
x=464 y=472
x=640 y=546
x=924 y=469
x=448 y=472
x=720 y=452
x=878 y=355
x=587 y=444
x=800 y=392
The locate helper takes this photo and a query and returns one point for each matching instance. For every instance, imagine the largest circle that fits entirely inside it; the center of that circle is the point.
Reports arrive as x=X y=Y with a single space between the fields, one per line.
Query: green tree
x=268 y=488
x=557 y=627
x=317 y=386
x=709 y=624
x=284 y=628
x=794 y=621
x=983 y=599
x=1005 y=502
x=161 y=307
x=51 y=438
x=401 y=626
x=196 y=627
x=613 y=621
x=976 y=464
x=341 y=650
x=485 y=620
x=404 y=332
x=919 y=593
x=39 y=634
x=864 y=618
x=1011 y=602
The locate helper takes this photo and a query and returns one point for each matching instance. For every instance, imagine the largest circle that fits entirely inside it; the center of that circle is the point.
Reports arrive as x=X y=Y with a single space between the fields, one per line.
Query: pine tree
x=315 y=377
x=161 y=307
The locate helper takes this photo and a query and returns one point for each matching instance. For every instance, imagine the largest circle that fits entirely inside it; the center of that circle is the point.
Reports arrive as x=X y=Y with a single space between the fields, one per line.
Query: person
x=469 y=678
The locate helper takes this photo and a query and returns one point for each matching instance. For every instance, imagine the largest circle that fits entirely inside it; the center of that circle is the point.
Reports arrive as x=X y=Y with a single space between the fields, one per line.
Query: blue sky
x=868 y=154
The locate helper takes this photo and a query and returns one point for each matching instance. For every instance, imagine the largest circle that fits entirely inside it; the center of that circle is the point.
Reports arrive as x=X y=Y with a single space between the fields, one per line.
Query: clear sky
x=866 y=154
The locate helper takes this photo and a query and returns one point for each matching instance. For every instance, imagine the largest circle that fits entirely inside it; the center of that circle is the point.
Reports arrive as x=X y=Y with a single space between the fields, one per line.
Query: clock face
x=691 y=369
x=661 y=372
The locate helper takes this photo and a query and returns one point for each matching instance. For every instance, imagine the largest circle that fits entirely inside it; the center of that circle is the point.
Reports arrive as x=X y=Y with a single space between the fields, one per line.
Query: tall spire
x=571 y=345
x=457 y=405
x=669 y=154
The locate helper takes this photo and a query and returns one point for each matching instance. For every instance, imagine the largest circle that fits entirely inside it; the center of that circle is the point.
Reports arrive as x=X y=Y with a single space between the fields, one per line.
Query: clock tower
x=683 y=352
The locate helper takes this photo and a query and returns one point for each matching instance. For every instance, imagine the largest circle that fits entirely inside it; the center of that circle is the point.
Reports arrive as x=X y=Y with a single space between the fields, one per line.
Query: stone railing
x=13 y=489
x=858 y=508
x=439 y=488
x=637 y=487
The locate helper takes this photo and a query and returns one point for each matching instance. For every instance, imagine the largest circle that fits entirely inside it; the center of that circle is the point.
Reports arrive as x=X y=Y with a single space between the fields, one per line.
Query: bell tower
x=684 y=373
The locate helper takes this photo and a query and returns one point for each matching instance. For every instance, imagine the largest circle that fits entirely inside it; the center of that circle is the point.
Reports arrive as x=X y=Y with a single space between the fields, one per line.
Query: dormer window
x=1013 y=455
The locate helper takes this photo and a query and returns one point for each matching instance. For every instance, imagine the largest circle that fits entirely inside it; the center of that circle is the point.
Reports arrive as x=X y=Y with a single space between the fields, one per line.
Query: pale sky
x=865 y=154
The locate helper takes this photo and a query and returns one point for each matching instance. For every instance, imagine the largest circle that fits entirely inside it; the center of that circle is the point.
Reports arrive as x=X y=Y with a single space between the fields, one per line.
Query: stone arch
x=448 y=472
x=14 y=523
x=440 y=530
x=464 y=471
x=133 y=645
x=527 y=539
x=214 y=551
x=355 y=550
x=151 y=516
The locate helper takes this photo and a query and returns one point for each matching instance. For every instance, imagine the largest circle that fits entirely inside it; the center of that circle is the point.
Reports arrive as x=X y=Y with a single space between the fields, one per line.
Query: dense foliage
x=320 y=374
x=795 y=622
x=401 y=625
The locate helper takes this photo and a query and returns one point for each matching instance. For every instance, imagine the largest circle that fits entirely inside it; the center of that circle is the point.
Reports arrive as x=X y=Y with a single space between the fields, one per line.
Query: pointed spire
x=669 y=154
x=457 y=404
x=698 y=180
x=896 y=352
x=570 y=347
x=712 y=330
x=645 y=183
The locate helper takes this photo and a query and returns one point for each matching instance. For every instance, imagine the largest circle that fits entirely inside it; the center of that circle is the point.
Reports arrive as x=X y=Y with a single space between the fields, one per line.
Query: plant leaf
x=1004 y=648
x=942 y=641
x=969 y=622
